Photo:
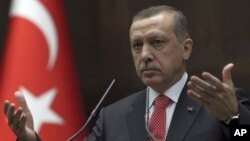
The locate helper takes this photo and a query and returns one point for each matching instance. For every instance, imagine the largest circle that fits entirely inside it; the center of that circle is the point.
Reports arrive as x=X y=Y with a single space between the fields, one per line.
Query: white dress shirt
x=172 y=93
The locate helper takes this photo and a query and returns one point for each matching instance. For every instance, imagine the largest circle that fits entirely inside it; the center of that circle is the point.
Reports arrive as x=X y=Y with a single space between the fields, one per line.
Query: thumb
x=227 y=74
x=21 y=101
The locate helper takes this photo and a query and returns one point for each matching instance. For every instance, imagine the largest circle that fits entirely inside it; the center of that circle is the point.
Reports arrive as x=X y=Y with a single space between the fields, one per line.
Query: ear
x=187 y=48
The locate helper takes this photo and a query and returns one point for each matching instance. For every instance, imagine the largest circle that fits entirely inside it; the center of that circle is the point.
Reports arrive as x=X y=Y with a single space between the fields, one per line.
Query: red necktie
x=157 y=124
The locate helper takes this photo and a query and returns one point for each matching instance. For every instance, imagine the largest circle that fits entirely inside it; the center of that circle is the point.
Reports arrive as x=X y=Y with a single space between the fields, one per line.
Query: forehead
x=161 y=22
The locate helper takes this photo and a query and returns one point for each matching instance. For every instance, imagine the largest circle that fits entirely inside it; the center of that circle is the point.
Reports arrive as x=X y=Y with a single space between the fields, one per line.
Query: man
x=161 y=46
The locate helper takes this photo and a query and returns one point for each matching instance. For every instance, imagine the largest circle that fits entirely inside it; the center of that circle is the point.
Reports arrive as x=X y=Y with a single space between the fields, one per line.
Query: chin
x=152 y=82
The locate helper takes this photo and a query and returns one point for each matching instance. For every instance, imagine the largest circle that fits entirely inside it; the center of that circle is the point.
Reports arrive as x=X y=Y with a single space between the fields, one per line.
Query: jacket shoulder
x=127 y=102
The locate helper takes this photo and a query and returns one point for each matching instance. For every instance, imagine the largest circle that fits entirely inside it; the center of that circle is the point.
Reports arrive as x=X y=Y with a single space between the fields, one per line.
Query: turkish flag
x=38 y=62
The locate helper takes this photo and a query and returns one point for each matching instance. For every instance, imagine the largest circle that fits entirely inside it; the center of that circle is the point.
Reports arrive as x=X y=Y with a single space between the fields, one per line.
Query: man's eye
x=157 y=42
x=137 y=45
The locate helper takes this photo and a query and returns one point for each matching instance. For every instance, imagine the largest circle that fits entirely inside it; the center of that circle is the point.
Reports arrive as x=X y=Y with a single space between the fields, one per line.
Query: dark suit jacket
x=125 y=120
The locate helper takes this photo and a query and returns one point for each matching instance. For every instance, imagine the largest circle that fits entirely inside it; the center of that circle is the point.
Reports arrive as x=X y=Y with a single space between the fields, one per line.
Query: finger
x=22 y=122
x=14 y=126
x=21 y=100
x=17 y=117
x=211 y=79
x=196 y=89
x=227 y=74
x=16 y=120
x=21 y=125
x=203 y=95
x=196 y=97
x=203 y=85
x=10 y=113
x=6 y=106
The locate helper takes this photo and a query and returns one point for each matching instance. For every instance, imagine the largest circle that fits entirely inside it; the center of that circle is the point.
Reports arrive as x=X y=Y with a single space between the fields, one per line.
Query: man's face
x=158 y=56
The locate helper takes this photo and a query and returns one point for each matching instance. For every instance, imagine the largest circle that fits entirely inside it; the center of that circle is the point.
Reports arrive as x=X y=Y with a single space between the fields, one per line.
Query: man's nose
x=147 y=53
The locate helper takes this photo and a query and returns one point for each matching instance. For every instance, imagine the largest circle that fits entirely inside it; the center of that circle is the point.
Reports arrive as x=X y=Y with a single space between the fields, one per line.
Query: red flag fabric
x=38 y=62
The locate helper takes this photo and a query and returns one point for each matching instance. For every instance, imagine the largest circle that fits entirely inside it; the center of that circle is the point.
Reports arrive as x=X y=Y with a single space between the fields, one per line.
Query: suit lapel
x=136 y=120
x=184 y=115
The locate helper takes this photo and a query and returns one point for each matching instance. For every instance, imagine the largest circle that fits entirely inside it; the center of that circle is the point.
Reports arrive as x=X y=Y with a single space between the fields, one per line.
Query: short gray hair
x=181 y=23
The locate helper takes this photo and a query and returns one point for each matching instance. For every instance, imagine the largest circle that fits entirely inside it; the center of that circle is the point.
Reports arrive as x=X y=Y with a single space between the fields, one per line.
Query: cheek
x=136 y=62
x=170 y=61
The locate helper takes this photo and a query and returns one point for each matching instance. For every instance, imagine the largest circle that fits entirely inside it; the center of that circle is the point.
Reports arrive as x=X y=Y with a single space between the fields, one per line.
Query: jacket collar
x=136 y=118
x=185 y=113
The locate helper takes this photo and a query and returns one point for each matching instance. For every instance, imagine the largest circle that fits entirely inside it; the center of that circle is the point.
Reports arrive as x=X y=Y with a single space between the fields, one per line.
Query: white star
x=40 y=107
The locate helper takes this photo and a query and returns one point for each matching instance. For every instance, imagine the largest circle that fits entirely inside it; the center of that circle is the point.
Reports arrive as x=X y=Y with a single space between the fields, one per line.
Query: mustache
x=148 y=66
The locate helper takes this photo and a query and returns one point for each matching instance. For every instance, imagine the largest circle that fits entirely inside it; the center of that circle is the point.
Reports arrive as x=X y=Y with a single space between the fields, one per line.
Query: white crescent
x=36 y=12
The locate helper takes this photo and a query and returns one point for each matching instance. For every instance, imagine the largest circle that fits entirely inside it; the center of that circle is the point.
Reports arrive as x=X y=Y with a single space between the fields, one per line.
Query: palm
x=21 y=120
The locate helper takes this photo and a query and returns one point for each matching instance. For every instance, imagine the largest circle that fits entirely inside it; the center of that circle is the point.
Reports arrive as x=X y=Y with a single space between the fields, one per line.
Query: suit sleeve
x=244 y=106
x=244 y=110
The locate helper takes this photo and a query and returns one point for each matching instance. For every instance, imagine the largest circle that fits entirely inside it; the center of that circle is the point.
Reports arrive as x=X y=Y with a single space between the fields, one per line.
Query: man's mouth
x=148 y=71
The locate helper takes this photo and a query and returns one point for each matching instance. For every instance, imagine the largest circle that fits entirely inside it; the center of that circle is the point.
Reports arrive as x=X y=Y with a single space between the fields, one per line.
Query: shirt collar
x=173 y=92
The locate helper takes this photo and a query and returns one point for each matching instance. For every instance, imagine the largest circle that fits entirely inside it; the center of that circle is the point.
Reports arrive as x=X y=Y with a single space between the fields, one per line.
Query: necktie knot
x=161 y=102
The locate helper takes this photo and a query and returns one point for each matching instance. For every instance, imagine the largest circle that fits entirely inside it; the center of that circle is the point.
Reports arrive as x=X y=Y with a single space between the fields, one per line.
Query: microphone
x=150 y=135
x=92 y=113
